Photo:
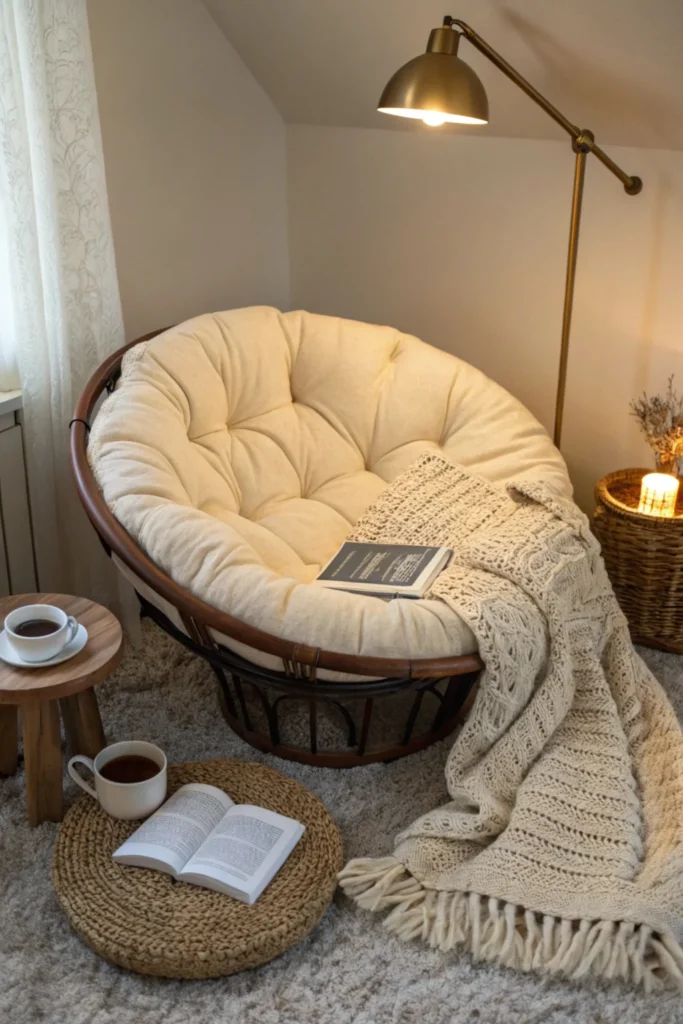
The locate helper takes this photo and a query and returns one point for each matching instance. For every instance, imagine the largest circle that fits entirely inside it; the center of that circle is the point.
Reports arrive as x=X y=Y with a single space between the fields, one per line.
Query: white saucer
x=74 y=647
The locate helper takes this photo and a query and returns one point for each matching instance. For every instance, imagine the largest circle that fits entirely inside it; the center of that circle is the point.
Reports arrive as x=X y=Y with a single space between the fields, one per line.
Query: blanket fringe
x=500 y=932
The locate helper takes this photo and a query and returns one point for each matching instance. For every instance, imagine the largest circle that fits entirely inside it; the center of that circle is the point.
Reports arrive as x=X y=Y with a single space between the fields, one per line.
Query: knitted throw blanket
x=561 y=849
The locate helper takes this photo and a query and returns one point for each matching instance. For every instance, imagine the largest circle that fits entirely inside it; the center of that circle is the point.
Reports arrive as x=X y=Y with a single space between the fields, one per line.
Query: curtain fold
x=60 y=311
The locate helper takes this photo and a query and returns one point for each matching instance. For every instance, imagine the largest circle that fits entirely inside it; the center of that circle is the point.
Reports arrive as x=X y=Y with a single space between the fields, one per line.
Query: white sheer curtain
x=60 y=312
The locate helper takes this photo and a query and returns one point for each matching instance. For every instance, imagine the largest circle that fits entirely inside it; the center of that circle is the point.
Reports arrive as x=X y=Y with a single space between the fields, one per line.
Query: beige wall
x=457 y=239
x=195 y=162
x=462 y=241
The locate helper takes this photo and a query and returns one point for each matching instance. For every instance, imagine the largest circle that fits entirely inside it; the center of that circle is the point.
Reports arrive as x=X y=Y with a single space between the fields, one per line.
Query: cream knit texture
x=560 y=850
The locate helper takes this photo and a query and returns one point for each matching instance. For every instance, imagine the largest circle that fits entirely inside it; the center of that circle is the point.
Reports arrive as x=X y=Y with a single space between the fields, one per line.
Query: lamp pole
x=572 y=253
x=583 y=143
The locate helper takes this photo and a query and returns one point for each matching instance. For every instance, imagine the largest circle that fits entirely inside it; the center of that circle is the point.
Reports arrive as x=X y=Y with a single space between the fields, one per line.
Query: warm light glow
x=423 y=115
x=434 y=120
x=658 y=492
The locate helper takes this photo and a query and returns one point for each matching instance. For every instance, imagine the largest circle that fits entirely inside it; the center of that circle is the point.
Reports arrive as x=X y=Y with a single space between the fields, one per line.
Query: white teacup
x=126 y=800
x=39 y=648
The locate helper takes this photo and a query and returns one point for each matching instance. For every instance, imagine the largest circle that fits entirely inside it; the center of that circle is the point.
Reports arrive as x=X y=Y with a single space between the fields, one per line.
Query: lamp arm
x=581 y=139
x=583 y=143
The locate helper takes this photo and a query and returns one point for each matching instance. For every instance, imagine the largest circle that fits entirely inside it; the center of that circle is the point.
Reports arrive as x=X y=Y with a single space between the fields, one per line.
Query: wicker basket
x=644 y=559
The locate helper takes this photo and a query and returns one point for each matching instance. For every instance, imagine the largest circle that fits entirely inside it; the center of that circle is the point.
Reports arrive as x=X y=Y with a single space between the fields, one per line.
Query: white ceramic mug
x=126 y=800
x=40 y=648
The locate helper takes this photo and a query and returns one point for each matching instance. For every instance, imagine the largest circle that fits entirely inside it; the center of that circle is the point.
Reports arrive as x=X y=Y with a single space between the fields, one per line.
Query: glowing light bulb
x=434 y=119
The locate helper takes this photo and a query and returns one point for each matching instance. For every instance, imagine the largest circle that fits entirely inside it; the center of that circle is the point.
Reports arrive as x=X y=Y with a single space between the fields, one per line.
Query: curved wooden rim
x=119 y=541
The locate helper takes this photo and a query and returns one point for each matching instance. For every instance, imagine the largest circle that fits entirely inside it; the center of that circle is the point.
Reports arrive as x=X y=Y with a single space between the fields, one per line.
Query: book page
x=246 y=847
x=174 y=832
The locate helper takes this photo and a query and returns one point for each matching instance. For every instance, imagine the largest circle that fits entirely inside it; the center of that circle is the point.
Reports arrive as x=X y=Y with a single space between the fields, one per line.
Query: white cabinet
x=17 y=559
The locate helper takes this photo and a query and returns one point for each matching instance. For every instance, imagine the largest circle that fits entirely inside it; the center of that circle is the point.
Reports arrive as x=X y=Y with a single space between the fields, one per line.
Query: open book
x=201 y=836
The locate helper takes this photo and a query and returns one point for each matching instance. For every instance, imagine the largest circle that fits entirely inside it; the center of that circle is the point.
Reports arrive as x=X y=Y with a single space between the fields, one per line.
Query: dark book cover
x=383 y=565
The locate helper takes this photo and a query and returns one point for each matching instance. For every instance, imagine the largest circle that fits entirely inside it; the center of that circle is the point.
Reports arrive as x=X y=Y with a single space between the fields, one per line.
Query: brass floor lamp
x=438 y=87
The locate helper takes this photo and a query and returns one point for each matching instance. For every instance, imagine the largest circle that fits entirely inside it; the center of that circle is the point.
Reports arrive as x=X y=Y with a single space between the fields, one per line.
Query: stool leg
x=43 y=761
x=8 y=739
x=82 y=723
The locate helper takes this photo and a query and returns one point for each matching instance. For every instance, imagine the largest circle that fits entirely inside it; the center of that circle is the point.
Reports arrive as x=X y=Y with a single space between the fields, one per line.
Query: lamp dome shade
x=437 y=86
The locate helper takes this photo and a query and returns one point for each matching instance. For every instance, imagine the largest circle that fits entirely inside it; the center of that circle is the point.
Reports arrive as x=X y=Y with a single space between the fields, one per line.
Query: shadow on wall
x=633 y=348
x=621 y=102
x=663 y=191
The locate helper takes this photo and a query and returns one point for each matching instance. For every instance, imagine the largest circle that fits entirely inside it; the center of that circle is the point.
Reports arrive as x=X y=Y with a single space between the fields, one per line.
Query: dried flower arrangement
x=661 y=420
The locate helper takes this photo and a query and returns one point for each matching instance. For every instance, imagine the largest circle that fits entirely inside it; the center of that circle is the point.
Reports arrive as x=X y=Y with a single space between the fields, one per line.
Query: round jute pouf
x=145 y=921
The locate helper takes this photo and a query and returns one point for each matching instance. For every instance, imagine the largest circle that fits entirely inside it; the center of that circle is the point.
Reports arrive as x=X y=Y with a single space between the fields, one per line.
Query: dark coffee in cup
x=130 y=778
x=38 y=632
x=129 y=768
x=36 y=627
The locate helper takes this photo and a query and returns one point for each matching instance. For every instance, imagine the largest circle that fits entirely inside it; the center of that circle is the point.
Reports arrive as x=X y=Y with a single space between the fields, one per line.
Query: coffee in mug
x=36 y=627
x=130 y=778
x=39 y=632
x=130 y=768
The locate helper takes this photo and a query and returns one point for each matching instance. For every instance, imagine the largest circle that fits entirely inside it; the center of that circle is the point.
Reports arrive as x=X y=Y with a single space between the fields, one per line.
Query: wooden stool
x=41 y=692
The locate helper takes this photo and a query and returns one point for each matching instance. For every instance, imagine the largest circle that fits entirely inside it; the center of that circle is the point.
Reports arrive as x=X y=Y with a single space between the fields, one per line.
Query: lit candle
x=658 y=492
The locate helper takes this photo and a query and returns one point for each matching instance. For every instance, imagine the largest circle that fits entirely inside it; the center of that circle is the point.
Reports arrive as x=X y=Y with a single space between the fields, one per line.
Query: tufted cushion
x=240 y=448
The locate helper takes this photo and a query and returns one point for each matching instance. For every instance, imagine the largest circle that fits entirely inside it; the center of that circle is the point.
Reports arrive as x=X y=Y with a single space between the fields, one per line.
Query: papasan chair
x=232 y=456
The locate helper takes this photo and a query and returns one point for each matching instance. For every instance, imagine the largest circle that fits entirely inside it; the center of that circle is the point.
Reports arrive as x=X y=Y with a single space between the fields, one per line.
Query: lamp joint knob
x=584 y=141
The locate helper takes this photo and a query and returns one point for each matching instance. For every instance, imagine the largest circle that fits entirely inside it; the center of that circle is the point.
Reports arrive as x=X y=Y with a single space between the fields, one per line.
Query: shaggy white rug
x=348 y=970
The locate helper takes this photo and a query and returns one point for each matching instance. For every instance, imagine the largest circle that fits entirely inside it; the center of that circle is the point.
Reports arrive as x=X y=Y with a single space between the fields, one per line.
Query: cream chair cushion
x=240 y=448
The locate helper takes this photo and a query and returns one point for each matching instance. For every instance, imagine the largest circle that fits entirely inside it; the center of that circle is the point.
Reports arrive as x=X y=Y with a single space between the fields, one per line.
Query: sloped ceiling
x=614 y=66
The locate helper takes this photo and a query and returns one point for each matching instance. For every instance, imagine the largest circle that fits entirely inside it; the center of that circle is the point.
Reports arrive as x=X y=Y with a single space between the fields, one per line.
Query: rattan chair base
x=255 y=702
x=644 y=559
x=146 y=922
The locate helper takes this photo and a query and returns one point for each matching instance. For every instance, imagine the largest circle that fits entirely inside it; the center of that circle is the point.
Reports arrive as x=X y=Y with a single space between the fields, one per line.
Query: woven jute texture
x=644 y=559
x=145 y=921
